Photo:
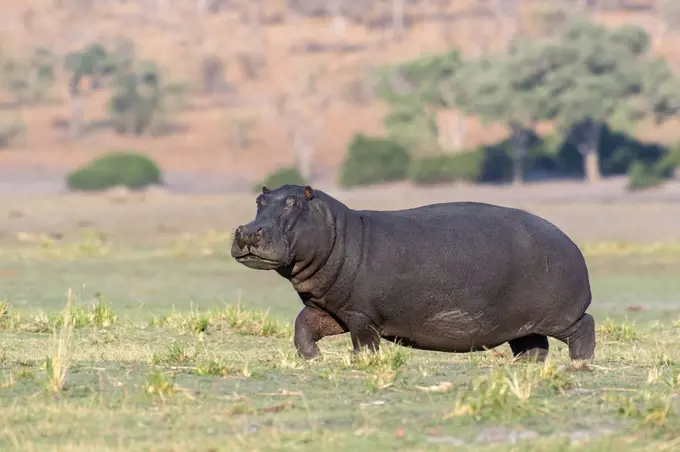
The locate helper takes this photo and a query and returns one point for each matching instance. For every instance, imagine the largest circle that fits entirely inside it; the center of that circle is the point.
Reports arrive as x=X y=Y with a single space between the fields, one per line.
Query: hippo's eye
x=291 y=202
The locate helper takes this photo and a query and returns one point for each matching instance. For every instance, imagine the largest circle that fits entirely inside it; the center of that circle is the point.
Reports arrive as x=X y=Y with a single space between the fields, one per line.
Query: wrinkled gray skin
x=453 y=277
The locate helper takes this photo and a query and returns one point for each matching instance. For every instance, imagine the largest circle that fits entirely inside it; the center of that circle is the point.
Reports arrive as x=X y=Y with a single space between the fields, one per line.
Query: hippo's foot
x=367 y=343
x=308 y=350
x=312 y=325
x=533 y=347
x=580 y=337
x=365 y=335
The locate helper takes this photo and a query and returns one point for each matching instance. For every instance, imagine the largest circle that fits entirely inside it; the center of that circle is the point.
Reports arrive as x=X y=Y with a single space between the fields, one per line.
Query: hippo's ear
x=265 y=190
x=309 y=193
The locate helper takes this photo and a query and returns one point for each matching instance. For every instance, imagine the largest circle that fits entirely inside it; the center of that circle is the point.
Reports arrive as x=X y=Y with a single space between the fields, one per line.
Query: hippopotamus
x=452 y=277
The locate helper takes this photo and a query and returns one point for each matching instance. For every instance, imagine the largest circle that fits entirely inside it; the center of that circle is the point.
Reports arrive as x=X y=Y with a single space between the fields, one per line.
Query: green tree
x=511 y=90
x=90 y=69
x=662 y=90
x=42 y=71
x=593 y=77
x=412 y=124
x=141 y=95
x=413 y=92
x=15 y=79
x=11 y=127
x=29 y=79
x=90 y=63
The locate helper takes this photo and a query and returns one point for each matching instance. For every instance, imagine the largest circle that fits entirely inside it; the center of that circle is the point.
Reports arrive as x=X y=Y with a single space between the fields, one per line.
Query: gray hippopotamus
x=452 y=277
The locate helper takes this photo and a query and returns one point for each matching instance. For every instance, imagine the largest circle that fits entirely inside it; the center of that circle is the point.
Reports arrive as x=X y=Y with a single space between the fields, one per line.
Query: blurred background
x=221 y=94
x=149 y=122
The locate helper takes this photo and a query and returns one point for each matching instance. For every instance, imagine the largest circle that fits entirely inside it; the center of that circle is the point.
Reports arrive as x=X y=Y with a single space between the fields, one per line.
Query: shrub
x=464 y=166
x=668 y=164
x=651 y=173
x=143 y=99
x=618 y=151
x=641 y=176
x=282 y=176
x=212 y=69
x=374 y=160
x=10 y=129
x=129 y=169
x=497 y=163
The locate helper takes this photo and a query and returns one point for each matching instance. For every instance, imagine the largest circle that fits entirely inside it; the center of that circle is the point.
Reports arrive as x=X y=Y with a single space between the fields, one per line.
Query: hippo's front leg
x=312 y=325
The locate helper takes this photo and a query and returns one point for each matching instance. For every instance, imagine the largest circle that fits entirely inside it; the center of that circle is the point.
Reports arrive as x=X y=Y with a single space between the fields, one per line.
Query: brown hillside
x=295 y=50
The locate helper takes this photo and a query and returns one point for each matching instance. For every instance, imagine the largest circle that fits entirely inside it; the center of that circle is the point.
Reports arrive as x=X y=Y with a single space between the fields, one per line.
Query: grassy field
x=170 y=345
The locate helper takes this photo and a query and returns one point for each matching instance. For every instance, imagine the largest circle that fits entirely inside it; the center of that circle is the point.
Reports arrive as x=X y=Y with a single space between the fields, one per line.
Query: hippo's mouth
x=258 y=262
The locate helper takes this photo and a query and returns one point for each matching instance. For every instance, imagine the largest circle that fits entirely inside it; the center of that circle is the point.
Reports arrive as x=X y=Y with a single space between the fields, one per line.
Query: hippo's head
x=286 y=221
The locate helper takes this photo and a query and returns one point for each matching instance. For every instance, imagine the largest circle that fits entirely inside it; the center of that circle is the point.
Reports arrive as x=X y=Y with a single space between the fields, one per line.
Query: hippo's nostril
x=241 y=239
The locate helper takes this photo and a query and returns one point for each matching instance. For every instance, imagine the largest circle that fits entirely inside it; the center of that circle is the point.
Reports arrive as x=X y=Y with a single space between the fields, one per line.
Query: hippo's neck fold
x=326 y=278
x=308 y=267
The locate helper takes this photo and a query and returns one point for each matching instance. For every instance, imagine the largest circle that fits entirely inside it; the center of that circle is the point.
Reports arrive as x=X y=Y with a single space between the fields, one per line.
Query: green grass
x=135 y=387
x=177 y=348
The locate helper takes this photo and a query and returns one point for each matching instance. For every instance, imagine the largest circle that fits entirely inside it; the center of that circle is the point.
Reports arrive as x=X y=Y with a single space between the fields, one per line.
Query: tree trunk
x=589 y=149
x=659 y=32
x=76 y=115
x=445 y=28
x=519 y=151
x=254 y=18
x=659 y=35
x=457 y=131
x=77 y=109
x=517 y=170
x=591 y=162
x=506 y=15
x=339 y=22
x=398 y=17
x=303 y=149
x=305 y=155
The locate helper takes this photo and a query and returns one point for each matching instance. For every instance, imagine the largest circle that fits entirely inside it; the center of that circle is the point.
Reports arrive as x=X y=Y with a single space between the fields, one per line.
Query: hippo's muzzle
x=247 y=237
x=252 y=247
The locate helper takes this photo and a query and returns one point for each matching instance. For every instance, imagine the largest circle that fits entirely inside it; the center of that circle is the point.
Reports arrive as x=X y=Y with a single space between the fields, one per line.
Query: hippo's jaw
x=258 y=263
x=256 y=257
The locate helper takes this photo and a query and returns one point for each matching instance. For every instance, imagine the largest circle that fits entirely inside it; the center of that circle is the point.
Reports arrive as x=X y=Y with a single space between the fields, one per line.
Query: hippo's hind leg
x=580 y=337
x=364 y=332
x=533 y=347
x=311 y=326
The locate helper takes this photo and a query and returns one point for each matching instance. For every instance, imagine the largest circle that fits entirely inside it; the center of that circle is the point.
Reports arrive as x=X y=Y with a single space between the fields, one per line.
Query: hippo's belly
x=454 y=331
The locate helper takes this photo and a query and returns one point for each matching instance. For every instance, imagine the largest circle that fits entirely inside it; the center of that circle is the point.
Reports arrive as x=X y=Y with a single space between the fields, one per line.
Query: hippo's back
x=471 y=222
